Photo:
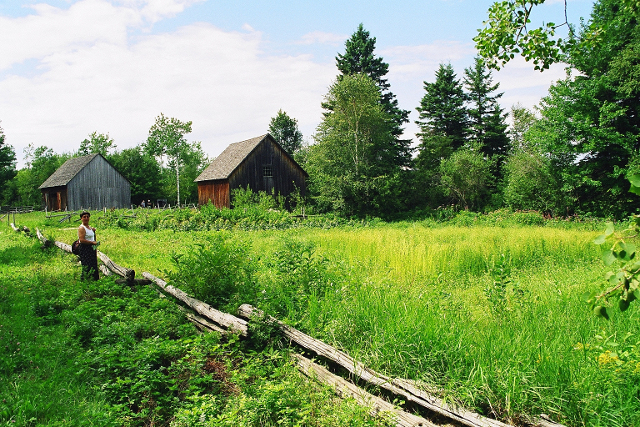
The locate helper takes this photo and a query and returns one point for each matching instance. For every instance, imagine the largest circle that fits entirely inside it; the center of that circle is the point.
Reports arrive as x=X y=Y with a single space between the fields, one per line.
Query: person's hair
x=84 y=213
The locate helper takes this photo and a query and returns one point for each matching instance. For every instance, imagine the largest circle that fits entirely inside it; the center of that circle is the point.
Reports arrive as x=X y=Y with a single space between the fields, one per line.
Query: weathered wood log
x=104 y=270
x=45 y=242
x=134 y=282
x=545 y=421
x=63 y=246
x=201 y=323
x=379 y=406
x=224 y=319
x=400 y=387
x=127 y=273
x=16 y=229
x=66 y=217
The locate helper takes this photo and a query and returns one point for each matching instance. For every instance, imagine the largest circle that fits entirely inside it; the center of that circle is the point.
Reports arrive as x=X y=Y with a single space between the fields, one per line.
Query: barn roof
x=230 y=159
x=67 y=171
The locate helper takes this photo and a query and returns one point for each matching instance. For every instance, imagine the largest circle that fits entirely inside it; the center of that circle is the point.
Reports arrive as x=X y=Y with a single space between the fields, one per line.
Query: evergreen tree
x=359 y=58
x=442 y=110
x=485 y=115
x=7 y=162
x=285 y=131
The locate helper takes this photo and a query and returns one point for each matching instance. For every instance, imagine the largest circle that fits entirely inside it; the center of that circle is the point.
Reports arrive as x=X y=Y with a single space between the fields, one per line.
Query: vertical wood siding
x=215 y=191
x=98 y=185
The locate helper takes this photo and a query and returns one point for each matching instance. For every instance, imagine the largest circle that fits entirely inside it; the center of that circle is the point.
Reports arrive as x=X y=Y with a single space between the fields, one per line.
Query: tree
x=99 y=143
x=591 y=122
x=466 y=177
x=285 y=131
x=7 y=161
x=359 y=58
x=531 y=183
x=167 y=137
x=354 y=149
x=442 y=110
x=522 y=120
x=194 y=162
x=506 y=34
x=141 y=170
x=487 y=126
x=40 y=163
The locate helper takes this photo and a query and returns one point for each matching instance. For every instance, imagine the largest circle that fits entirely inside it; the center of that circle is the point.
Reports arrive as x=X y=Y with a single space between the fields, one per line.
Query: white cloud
x=222 y=81
x=52 y=30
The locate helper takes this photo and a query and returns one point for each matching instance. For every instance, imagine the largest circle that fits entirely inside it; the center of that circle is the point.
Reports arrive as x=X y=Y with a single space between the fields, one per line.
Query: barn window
x=267 y=171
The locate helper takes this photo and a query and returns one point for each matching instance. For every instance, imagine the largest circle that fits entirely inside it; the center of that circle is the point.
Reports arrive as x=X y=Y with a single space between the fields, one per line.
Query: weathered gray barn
x=86 y=182
x=260 y=163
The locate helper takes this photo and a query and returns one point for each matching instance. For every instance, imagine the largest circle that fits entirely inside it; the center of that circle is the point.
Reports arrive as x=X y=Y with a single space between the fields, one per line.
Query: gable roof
x=67 y=171
x=230 y=159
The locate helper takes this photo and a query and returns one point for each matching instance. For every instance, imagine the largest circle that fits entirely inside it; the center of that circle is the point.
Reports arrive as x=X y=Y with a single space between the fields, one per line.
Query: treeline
x=571 y=156
x=162 y=167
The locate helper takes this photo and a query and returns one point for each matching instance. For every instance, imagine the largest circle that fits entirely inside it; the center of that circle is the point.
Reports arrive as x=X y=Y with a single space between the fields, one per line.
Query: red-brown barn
x=260 y=163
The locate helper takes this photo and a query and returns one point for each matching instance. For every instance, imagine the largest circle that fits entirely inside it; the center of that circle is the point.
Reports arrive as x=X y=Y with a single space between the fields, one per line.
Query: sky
x=69 y=68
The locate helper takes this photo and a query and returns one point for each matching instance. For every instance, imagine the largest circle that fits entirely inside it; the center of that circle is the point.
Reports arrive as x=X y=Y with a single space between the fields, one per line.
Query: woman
x=88 y=244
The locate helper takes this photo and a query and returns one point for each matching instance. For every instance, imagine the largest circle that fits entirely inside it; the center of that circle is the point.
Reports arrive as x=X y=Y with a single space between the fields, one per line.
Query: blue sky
x=72 y=67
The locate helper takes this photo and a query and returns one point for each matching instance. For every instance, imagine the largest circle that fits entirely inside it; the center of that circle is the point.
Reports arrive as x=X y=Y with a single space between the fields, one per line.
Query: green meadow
x=486 y=314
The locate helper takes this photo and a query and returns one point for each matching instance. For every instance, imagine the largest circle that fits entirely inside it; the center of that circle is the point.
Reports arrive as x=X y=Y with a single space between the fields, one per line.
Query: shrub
x=216 y=272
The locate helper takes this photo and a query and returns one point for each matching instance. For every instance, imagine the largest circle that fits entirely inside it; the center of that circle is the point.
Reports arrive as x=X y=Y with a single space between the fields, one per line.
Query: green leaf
x=623 y=305
x=601 y=311
x=631 y=249
x=600 y=239
x=609 y=229
x=635 y=179
x=608 y=257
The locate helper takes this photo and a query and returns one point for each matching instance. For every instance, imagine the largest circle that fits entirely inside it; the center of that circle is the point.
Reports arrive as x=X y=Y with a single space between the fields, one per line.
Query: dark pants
x=89 y=261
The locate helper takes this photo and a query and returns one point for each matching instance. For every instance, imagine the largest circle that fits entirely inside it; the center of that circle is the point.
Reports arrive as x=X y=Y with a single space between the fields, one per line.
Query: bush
x=217 y=272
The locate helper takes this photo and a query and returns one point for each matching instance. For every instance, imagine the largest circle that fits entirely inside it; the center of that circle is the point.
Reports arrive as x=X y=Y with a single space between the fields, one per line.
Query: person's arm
x=81 y=236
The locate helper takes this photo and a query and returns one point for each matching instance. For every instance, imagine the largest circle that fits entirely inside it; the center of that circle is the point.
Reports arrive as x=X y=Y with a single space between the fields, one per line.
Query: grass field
x=489 y=316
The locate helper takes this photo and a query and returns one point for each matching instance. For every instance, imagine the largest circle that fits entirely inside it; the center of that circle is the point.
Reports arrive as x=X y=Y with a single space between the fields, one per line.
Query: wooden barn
x=260 y=163
x=86 y=182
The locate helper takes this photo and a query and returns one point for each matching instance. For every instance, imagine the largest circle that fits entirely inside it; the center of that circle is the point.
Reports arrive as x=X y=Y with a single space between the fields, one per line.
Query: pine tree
x=487 y=125
x=442 y=110
x=359 y=58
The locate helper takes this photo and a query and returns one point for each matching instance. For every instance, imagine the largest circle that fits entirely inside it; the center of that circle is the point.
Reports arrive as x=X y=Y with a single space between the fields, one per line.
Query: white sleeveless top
x=89 y=234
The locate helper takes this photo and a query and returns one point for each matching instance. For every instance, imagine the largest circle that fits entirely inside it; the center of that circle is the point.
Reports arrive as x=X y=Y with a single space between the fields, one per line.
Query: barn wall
x=286 y=175
x=215 y=191
x=98 y=185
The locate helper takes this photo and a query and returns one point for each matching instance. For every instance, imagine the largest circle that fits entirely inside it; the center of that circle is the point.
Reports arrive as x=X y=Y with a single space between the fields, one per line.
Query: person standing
x=88 y=248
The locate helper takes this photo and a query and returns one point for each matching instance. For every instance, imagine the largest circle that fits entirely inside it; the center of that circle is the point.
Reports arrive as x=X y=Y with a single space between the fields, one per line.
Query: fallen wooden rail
x=227 y=320
x=127 y=273
x=345 y=388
